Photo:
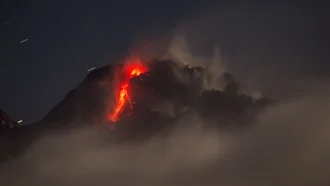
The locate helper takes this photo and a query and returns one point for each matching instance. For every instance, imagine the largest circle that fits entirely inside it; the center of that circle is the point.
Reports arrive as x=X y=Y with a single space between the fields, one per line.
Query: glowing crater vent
x=132 y=69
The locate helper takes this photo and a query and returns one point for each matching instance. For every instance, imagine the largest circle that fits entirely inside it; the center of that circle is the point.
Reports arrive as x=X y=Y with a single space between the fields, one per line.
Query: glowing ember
x=130 y=71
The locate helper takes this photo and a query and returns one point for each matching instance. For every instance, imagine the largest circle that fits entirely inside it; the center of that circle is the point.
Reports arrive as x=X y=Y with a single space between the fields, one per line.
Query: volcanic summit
x=142 y=99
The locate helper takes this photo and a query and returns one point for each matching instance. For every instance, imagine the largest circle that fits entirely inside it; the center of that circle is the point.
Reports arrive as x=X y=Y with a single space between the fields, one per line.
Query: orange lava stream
x=131 y=71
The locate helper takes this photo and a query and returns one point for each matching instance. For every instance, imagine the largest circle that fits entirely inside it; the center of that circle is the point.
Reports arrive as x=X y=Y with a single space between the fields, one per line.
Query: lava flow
x=130 y=71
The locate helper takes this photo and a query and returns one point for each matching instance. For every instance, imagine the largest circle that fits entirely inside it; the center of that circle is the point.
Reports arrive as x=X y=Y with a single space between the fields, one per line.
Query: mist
x=286 y=145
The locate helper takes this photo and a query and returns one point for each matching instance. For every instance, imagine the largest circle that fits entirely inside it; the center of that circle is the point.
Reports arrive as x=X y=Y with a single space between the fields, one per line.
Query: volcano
x=141 y=99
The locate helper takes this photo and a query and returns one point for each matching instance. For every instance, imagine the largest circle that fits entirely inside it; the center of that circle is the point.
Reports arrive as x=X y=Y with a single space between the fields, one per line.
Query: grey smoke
x=287 y=145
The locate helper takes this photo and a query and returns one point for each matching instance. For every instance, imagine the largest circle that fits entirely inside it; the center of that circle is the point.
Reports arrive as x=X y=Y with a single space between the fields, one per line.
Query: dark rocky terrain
x=165 y=94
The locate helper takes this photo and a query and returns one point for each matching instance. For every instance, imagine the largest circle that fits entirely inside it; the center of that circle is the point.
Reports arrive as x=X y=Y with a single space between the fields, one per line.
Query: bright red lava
x=130 y=70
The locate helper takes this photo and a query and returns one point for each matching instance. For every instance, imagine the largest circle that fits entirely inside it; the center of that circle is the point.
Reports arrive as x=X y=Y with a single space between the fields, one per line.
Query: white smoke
x=214 y=65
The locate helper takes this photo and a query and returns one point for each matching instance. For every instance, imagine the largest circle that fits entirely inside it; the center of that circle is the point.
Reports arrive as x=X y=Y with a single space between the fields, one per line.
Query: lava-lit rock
x=162 y=96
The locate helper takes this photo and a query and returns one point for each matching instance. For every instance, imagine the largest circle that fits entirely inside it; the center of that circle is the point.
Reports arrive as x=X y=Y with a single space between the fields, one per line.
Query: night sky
x=68 y=37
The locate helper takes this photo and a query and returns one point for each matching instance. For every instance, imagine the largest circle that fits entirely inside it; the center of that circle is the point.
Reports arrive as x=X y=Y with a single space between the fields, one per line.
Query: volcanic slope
x=165 y=83
x=167 y=92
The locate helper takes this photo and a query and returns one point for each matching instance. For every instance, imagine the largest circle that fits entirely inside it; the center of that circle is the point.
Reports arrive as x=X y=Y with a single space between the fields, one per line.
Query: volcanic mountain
x=140 y=99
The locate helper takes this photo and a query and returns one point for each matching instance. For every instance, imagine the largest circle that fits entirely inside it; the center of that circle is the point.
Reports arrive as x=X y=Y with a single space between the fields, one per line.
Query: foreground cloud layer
x=284 y=144
x=287 y=145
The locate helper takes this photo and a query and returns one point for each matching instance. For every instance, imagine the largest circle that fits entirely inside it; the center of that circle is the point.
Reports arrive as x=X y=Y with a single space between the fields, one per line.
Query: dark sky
x=66 y=37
